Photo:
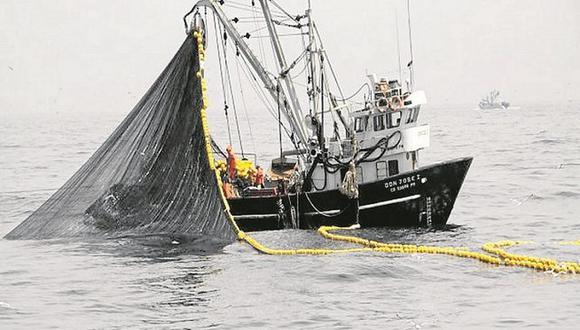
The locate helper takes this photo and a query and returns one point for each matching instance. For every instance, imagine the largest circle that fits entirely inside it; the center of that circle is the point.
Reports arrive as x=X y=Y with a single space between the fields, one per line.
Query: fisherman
x=259 y=182
x=349 y=188
x=252 y=173
x=231 y=162
x=294 y=179
x=228 y=189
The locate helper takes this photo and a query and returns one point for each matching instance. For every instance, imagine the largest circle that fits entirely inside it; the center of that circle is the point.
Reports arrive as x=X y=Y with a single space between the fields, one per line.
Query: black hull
x=421 y=198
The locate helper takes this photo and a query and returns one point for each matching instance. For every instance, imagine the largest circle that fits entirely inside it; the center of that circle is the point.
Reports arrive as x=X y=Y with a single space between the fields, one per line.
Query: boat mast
x=283 y=66
x=398 y=47
x=312 y=60
x=293 y=117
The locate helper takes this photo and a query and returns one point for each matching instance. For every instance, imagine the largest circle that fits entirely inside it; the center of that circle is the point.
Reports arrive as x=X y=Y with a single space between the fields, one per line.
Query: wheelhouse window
x=412 y=115
x=381 y=170
x=360 y=124
x=379 y=122
x=393 y=167
x=394 y=119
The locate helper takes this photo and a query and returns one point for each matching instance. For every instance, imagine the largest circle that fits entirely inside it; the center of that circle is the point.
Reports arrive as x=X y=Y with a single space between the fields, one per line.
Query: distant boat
x=492 y=102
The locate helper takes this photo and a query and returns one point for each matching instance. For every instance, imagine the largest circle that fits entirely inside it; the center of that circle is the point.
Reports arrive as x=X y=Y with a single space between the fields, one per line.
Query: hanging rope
x=218 y=43
x=231 y=90
x=244 y=100
x=295 y=18
x=358 y=91
x=217 y=149
x=246 y=7
x=325 y=214
x=260 y=45
x=261 y=94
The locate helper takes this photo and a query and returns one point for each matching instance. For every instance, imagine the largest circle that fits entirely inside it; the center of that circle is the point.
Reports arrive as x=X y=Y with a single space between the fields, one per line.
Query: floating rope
x=405 y=248
x=499 y=256
x=544 y=264
x=571 y=243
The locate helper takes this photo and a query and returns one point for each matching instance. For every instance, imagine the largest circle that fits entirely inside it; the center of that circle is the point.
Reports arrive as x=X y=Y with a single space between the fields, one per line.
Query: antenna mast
x=398 y=46
x=411 y=71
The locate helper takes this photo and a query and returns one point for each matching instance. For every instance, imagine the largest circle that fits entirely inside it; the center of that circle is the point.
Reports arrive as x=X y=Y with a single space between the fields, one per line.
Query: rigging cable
x=329 y=62
x=264 y=99
x=222 y=77
x=217 y=148
x=333 y=106
x=262 y=96
x=260 y=44
x=358 y=91
x=229 y=81
x=294 y=18
x=293 y=64
x=258 y=29
x=280 y=35
x=244 y=100
x=301 y=70
x=244 y=7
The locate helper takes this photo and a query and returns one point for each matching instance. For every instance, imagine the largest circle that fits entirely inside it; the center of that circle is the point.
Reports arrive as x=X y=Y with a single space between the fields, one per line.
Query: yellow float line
x=545 y=264
x=407 y=248
x=571 y=243
x=503 y=257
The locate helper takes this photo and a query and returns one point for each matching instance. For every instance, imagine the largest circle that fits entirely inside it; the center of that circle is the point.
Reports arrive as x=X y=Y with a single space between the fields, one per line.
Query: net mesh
x=151 y=176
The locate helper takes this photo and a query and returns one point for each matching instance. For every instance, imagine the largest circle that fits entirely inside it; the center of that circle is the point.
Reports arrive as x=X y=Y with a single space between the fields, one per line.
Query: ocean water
x=524 y=184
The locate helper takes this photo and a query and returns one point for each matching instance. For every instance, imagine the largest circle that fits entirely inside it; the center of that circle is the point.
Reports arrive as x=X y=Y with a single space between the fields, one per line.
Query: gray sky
x=102 y=55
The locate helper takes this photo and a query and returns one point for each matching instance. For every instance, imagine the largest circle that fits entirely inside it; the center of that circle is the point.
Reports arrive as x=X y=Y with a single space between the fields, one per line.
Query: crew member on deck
x=231 y=162
x=252 y=172
x=349 y=188
x=259 y=177
x=228 y=189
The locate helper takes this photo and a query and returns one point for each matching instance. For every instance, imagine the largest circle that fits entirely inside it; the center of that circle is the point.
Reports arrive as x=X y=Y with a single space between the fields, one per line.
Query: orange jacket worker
x=231 y=162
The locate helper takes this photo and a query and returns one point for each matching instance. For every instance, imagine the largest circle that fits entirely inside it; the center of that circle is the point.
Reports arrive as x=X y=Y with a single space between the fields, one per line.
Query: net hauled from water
x=151 y=176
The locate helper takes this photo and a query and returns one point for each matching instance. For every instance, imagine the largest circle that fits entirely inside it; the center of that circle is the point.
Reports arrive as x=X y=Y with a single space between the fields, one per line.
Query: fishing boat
x=348 y=162
x=492 y=102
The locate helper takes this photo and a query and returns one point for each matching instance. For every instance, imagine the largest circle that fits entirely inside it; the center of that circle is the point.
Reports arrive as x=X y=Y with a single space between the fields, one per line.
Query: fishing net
x=151 y=176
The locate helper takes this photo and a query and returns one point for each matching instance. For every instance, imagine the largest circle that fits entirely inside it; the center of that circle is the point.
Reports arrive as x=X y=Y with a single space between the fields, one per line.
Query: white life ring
x=383 y=104
x=395 y=103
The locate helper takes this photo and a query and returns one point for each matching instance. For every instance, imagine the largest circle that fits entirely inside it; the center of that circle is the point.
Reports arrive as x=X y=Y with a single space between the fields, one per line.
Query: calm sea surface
x=524 y=184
